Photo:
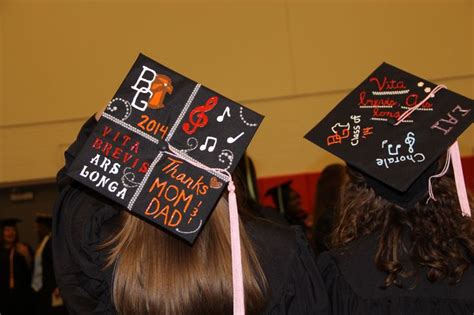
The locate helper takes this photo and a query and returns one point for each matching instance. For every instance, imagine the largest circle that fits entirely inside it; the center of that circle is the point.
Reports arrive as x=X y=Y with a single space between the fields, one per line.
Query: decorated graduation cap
x=9 y=222
x=164 y=149
x=393 y=128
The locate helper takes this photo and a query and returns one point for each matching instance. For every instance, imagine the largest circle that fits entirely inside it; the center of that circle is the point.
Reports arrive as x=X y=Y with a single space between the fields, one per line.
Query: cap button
x=163 y=146
x=392 y=121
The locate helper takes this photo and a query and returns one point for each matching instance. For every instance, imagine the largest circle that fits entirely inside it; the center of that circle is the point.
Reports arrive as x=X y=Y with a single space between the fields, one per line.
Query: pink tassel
x=459 y=178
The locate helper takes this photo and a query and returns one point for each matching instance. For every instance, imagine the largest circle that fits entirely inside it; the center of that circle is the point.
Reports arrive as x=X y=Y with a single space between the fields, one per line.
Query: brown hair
x=434 y=235
x=155 y=273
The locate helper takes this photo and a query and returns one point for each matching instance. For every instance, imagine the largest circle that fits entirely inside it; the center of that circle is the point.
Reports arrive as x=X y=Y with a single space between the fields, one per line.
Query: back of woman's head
x=155 y=273
x=327 y=198
x=435 y=237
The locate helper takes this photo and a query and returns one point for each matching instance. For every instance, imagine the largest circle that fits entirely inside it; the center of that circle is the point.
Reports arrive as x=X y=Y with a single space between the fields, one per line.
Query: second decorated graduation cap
x=393 y=128
x=164 y=148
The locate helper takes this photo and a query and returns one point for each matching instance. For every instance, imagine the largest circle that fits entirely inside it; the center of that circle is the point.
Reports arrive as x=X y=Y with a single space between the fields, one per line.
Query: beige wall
x=290 y=60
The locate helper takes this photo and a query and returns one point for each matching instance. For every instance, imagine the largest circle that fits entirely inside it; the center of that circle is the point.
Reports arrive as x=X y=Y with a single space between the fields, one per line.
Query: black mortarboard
x=158 y=124
x=280 y=195
x=396 y=154
x=9 y=222
x=44 y=218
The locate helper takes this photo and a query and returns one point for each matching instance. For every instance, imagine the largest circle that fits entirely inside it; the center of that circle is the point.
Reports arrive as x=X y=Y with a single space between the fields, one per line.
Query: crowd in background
x=27 y=280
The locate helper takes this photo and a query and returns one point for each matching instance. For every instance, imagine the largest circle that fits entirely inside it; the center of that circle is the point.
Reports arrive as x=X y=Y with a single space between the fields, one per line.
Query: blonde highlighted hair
x=156 y=273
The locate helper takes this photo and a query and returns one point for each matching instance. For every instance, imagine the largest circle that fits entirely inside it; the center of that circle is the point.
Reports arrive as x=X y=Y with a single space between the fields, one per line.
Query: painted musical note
x=410 y=140
x=220 y=118
x=198 y=118
x=233 y=139
x=397 y=148
x=211 y=147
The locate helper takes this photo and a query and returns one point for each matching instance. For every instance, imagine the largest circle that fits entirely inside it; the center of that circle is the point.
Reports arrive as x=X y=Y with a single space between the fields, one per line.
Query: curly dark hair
x=434 y=236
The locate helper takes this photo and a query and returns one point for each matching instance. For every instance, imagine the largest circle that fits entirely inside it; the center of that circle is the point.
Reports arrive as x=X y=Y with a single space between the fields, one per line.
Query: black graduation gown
x=43 y=298
x=83 y=219
x=18 y=299
x=354 y=284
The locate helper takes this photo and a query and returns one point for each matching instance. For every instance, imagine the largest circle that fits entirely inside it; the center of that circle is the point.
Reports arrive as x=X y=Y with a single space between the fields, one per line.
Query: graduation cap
x=9 y=222
x=393 y=128
x=44 y=218
x=164 y=148
x=280 y=195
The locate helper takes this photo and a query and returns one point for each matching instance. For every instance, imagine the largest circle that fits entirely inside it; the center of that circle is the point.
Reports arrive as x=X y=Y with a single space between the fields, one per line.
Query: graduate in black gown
x=109 y=259
x=404 y=237
x=43 y=282
x=288 y=203
x=15 y=271
x=84 y=220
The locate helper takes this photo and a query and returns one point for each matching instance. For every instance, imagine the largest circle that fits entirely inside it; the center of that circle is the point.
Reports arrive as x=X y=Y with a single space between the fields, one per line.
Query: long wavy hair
x=155 y=273
x=326 y=204
x=435 y=237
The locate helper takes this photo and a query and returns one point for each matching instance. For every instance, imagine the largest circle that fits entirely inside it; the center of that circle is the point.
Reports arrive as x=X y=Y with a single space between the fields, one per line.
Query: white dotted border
x=144 y=180
x=375 y=106
x=385 y=119
x=216 y=172
x=183 y=112
x=241 y=111
x=419 y=108
x=391 y=92
x=131 y=128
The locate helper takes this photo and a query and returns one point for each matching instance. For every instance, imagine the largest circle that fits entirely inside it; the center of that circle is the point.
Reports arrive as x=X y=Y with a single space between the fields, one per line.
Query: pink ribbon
x=415 y=107
x=453 y=155
x=237 y=274
x=459 y=179
x=444 y=171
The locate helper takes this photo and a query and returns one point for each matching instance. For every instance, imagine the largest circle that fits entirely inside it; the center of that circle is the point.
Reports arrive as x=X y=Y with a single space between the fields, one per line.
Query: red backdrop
x=305 y=184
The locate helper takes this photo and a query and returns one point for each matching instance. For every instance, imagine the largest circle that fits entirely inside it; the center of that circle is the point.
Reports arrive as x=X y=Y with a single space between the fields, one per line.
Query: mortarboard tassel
x=459 y=179
x=440 y=174
x=237 y=274
x=453 y=155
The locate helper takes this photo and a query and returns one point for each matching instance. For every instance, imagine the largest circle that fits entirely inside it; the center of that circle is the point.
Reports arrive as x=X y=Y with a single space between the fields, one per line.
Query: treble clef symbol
x=410 y=140
x=197 y=117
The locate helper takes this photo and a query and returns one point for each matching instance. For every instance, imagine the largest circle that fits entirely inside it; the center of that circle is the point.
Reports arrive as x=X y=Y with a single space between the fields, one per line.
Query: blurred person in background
x=15 y=270
x=47 y=298
x=288 y=203
x=246 y=179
